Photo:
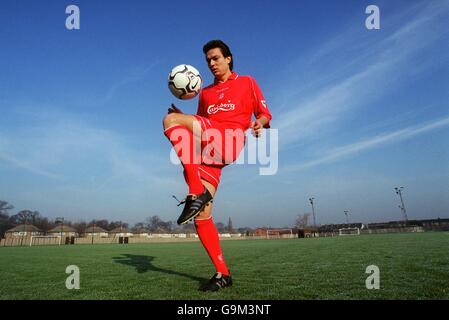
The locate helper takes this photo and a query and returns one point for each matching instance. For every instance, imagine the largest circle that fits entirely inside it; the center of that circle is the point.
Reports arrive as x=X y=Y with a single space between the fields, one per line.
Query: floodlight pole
x=61 y=220
x=346 y=214
x=93 y=232
x=402 y=206
x=313 y=211
x=121 y=235
x=24 y=231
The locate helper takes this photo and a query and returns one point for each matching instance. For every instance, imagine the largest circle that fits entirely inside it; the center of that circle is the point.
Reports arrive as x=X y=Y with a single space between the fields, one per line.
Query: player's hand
x=256 y=129
x=174 y=109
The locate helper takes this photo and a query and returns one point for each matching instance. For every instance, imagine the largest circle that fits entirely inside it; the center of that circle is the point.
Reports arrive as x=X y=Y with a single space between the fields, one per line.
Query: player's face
x=218 y=64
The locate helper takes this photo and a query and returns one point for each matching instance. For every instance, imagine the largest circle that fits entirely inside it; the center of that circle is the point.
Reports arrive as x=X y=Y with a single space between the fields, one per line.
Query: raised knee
x=169 y=120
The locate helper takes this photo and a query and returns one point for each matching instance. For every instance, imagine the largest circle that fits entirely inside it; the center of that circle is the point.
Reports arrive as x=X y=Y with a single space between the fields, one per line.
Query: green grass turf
x=412 y=266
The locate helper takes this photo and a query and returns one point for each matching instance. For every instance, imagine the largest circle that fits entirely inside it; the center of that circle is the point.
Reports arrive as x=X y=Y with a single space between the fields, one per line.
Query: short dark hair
x=223 y=47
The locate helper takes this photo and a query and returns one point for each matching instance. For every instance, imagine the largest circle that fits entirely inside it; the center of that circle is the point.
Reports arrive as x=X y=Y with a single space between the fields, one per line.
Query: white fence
x=176 y=237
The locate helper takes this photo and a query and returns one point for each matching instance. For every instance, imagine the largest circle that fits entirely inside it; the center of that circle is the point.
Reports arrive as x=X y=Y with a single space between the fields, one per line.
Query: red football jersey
x=233 y=102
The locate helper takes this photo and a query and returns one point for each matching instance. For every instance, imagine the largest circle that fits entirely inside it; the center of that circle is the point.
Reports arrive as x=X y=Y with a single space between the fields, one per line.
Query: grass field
x=412 y=266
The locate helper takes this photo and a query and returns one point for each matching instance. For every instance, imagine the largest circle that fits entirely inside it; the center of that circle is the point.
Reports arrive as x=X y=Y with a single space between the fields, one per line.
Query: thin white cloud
x=364 y=75
x=136 y=75
x=57 y=145
x=339 y=153
x=27 y=166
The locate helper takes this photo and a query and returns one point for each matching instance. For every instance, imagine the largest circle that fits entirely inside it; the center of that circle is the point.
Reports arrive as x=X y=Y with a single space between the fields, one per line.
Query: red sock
x=208 y=235
x=189 y=159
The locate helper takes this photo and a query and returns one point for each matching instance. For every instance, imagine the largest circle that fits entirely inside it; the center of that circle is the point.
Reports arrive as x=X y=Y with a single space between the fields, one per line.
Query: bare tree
x=117 y=224
x=302 y=220
x=103 y=223
x=5 y=222
x=168 y=226
x=154 y=223
x=80 y=226
x=43 y=224
x=188 y=228
x=5 y=207
x=25 y=216
x=220 y=226
x=139 y=226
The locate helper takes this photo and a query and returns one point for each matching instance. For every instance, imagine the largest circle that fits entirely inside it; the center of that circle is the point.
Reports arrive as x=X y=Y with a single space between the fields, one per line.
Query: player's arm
x=261 y=111
x=258 y=125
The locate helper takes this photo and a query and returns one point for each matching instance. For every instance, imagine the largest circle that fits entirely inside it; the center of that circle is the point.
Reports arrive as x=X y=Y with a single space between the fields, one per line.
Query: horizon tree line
x=153 y=223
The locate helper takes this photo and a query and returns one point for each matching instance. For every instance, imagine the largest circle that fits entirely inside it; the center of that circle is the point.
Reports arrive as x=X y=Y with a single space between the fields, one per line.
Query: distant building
x=433 y=224
x=427 y=224
x=121 y=232
x=65 y=231
x=308 y=232
x=95 y=232
x=141 y=233
x=334 y=228
x=23 y=230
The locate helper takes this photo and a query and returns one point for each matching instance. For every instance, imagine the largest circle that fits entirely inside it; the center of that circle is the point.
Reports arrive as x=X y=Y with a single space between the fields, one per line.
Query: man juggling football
x=214 y=137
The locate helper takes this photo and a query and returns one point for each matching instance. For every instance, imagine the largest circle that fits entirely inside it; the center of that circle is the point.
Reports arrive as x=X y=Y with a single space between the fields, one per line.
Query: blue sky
x=358 y=111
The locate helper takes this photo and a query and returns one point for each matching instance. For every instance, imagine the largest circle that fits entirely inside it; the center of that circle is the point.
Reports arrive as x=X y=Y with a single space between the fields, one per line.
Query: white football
x=185 y=82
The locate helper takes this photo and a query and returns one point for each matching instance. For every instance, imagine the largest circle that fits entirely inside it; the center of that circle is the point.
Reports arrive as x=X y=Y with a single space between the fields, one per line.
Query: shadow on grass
x=145 y=264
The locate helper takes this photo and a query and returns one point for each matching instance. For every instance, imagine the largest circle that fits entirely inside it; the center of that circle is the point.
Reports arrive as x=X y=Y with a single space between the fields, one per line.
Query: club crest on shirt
x=213 y=109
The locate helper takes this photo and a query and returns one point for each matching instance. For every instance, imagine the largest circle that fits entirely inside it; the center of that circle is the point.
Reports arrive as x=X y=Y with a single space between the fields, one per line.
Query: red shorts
x=220 y=146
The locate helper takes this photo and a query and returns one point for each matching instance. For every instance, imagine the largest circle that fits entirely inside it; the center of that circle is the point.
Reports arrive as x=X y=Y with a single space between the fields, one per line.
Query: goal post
x=45 y=240
x=349 y=232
